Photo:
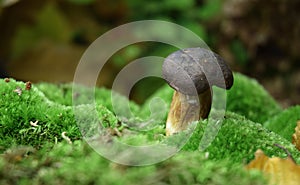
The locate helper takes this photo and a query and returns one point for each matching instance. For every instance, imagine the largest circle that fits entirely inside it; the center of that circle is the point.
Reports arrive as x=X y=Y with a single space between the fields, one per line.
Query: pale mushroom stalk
x=185 y=109
x=191 y=73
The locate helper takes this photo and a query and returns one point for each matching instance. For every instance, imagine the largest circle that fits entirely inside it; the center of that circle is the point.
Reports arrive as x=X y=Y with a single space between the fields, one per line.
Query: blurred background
x=44 y=40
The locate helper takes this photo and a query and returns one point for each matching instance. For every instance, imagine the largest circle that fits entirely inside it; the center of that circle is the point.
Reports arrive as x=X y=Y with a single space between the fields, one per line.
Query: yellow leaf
x=296 y=136
x=278 y=171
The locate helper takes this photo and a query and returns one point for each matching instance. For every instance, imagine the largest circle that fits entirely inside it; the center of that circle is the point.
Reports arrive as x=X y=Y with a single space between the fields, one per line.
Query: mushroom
x=191 y=73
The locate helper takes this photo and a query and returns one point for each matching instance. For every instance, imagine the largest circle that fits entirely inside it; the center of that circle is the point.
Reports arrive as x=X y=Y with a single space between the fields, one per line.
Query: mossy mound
x=248 y=98
x=29 y=118
x=239 y=138
x=284 y=123
x=20 y=108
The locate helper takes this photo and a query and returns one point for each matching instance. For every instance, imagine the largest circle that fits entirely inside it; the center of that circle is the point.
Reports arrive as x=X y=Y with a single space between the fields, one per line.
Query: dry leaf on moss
x=296 y=136
x=278 y=171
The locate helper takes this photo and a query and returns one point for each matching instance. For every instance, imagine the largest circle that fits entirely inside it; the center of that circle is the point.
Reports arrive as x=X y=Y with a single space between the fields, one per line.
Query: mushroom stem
x=186 y=109
x=205 y=100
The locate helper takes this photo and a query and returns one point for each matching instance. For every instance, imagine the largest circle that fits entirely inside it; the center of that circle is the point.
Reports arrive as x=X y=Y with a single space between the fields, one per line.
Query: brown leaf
x=296 y=136
x=278 y=171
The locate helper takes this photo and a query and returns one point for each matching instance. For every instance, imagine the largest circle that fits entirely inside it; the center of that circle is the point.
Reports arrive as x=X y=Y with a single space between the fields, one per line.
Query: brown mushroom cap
x=194 y=70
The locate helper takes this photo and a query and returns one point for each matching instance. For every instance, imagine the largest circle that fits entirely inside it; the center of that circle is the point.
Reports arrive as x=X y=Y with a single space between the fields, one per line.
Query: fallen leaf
x=278 y=171
x=296 y=136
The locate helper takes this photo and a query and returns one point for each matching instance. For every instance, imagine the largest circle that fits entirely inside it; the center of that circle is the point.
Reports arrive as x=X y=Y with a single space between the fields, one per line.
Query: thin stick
x=66 y=137
x=286 y=151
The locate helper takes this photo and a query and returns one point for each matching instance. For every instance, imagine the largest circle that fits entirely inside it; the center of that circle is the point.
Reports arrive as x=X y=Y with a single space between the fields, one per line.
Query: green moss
x=78 y=164
x=19 y=111
x=284 y=123
x=55 y=118
x=239 y=138
x=248 y=98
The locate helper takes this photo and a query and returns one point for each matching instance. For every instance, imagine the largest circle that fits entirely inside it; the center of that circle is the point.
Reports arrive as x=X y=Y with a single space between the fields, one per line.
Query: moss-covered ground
x=41 y=143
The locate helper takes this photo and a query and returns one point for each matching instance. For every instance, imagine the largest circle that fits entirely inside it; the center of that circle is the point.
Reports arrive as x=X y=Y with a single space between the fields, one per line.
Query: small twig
x=63 y=135
x=18 y=90
x=289 y=155
x=34 y=124
x=55 y=140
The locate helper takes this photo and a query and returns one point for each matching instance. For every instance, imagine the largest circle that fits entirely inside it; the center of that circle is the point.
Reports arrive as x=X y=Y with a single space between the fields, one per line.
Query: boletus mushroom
x=191 y=73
